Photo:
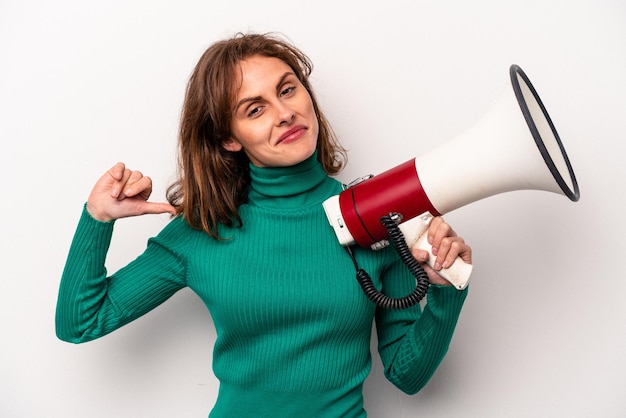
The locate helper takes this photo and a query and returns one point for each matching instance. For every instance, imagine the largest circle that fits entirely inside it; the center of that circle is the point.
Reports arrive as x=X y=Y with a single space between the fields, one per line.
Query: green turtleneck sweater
x=293 y=326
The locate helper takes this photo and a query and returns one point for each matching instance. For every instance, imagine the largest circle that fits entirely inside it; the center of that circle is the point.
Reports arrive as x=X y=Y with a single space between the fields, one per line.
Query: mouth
x=292 y=135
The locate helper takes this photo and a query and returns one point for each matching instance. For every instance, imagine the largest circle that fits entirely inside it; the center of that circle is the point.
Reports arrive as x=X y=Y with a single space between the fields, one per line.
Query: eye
x=287 y=91
x=254 y=111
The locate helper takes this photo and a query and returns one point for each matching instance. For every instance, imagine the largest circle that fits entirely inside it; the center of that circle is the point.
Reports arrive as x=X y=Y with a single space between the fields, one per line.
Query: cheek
x=314 y=120
x=246 y=134
x=315 y=126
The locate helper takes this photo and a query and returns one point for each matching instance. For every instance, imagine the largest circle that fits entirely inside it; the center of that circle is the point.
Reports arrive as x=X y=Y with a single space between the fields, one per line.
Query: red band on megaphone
x=397 y=190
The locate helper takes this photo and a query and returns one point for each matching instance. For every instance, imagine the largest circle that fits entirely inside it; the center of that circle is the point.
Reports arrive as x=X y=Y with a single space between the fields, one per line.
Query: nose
x=285 y=114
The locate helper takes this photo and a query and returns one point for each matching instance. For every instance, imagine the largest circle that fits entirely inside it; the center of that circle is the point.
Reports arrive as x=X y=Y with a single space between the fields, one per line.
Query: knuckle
x=135 y=175
x=447 y=242
x=457 y=246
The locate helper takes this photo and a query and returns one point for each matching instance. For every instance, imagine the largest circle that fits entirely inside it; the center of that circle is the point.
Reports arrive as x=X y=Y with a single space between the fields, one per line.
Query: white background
x=85 y=84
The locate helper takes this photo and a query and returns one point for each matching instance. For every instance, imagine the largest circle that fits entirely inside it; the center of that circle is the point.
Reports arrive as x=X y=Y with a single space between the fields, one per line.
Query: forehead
x=259 y=72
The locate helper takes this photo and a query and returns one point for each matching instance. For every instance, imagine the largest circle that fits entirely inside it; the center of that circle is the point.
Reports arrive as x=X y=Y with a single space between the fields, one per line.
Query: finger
x=120 y=179
x=137 y=185
x=432 y=228
x=466 y=253
x=437 y=232
x=155 y=208
x=449 y=251
x=117 y=171
x=141 y=189
x=420 y=255
x=110 y=180
x=152 y=208
x=135 y=175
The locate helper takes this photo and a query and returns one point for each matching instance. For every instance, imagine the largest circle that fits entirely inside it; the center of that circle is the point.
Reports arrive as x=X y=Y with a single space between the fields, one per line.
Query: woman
x=250 y=237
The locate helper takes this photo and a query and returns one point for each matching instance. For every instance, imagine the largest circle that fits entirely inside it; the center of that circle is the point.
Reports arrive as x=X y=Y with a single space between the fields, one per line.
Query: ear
x=232 y=145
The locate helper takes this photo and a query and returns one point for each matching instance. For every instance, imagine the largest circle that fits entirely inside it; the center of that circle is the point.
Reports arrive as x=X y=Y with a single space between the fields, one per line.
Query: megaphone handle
x=414 y=231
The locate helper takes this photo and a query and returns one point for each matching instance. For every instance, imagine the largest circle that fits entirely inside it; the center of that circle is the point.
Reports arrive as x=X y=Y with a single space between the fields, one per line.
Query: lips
x=292 y=135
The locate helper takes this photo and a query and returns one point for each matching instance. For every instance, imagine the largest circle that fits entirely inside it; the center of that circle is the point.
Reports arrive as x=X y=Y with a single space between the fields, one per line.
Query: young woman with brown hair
x=250 y=237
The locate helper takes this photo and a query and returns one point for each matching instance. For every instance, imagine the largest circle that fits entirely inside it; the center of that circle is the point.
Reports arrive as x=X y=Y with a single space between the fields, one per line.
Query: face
x=274 y=121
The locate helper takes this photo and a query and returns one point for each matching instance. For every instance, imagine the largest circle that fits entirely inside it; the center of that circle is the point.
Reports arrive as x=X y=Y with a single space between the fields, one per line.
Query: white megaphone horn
x=515 y=146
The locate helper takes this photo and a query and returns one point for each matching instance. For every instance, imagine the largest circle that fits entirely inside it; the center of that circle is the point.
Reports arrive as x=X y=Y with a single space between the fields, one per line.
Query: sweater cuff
x=446 y=297
x=97 y=233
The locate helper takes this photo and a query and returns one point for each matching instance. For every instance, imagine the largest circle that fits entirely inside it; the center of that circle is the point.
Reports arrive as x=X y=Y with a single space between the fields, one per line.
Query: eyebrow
x=257 y=98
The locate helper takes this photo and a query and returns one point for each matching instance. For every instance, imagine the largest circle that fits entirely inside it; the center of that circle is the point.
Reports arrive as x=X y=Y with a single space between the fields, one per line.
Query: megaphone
x=515 y=146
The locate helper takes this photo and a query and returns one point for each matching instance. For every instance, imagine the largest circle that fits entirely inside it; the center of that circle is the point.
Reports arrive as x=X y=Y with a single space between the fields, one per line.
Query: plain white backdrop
x=84 y=84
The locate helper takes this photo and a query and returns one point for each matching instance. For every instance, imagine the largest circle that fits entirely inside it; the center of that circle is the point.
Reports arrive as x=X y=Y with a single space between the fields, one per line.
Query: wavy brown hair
x=213 y=182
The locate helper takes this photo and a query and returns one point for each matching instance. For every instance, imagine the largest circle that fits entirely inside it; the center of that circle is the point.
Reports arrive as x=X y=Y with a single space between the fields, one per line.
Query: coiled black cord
x=422 y=283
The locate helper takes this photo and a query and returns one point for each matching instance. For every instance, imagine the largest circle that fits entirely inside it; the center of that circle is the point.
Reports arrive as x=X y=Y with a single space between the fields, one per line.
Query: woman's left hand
x=446 y=247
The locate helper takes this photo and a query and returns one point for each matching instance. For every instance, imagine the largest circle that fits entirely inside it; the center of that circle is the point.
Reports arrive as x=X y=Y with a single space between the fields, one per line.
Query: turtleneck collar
x=294 y=187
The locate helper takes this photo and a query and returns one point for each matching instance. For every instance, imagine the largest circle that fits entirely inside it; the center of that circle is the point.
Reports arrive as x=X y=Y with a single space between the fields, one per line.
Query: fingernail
x=437 y=266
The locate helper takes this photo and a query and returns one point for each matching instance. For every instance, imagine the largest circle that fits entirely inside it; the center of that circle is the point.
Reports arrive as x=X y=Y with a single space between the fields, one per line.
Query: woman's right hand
x=121 y=193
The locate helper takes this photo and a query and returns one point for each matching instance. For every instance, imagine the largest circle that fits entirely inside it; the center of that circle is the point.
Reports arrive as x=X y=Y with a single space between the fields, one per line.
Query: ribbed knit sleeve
x=412 y=343
x=90 y=304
